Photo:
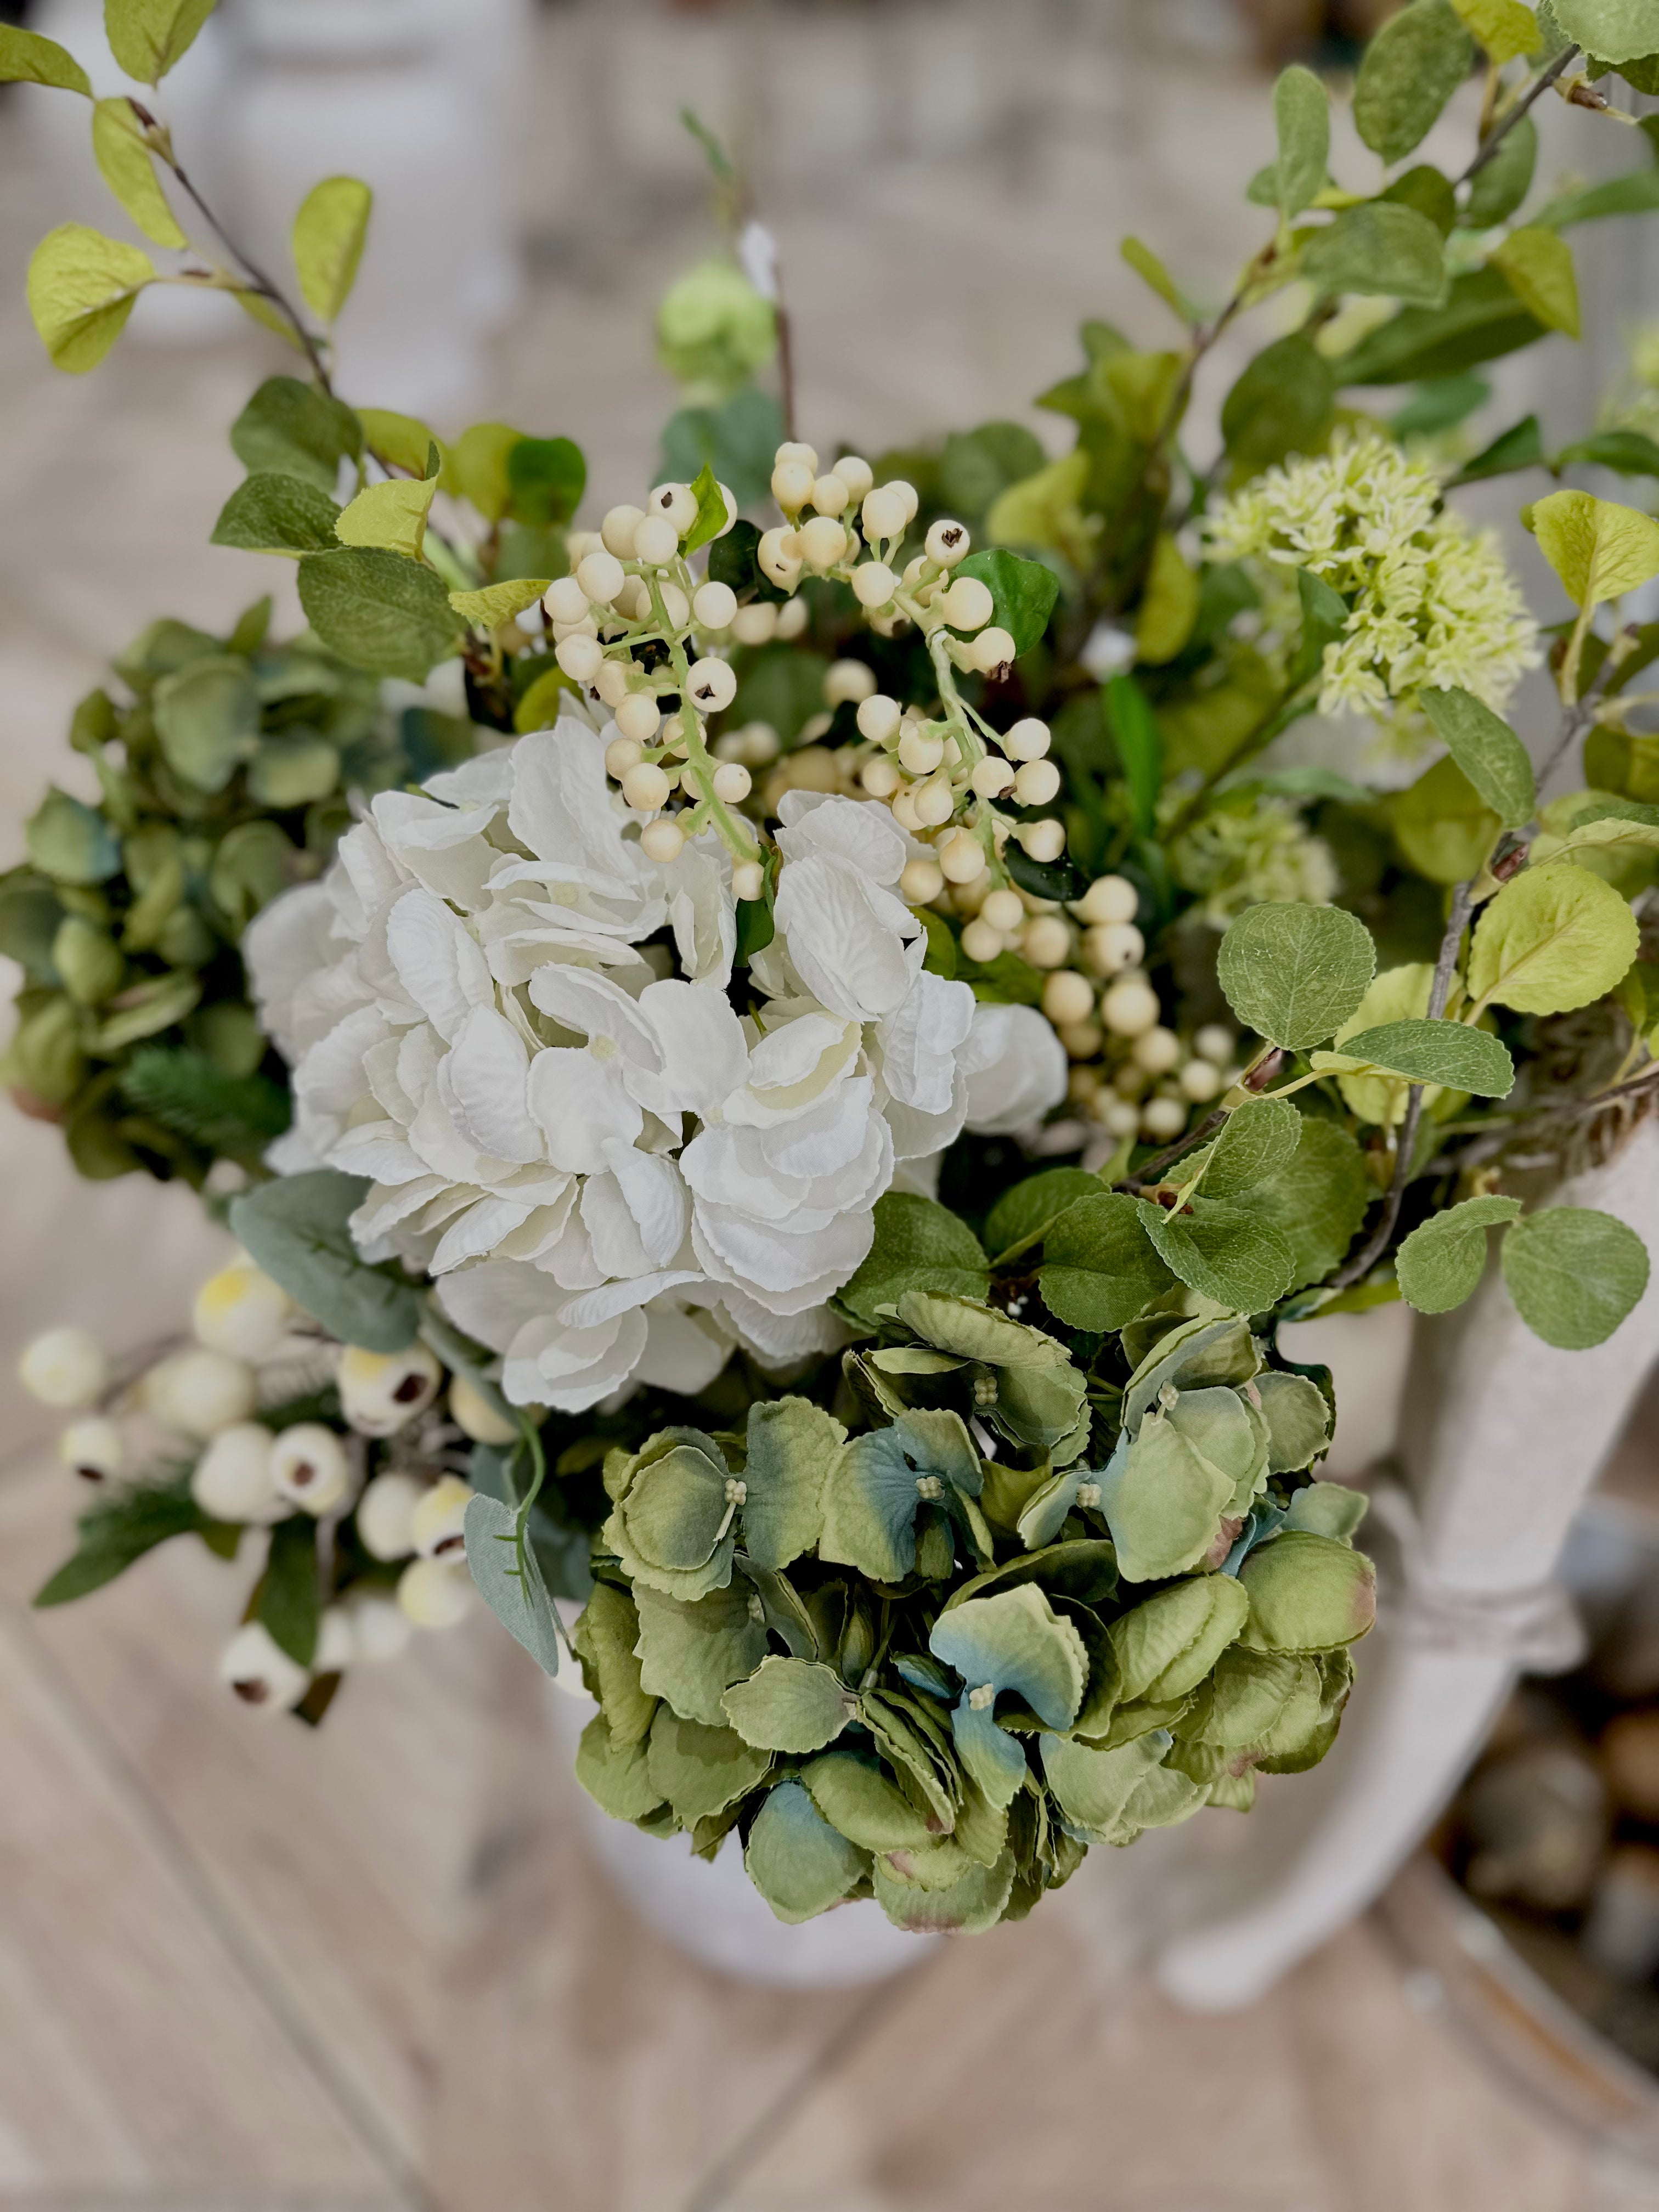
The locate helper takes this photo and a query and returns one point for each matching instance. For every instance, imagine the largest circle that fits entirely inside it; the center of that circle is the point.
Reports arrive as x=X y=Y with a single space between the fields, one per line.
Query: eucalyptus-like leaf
x=1537 y=265
x=1575 y=1273
x=296 y=1229
x=1282 y=403
x=519 y=1600
x=1488 y=751
x=1380 y=246
x=1293 y=973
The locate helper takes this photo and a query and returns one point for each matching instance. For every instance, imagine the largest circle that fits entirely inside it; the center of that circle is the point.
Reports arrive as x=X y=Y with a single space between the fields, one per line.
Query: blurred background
x=243 y=1967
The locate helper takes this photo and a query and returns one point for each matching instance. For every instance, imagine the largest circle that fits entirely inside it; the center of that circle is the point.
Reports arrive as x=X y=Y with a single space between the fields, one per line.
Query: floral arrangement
x=830 y=1043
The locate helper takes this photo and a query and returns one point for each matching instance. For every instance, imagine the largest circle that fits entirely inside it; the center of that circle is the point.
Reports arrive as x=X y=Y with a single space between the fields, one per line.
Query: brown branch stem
x=1512 y=114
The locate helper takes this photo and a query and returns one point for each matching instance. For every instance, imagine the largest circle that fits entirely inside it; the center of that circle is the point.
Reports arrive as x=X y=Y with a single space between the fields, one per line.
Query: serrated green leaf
x=1293 y=973
x=1256 y=1141
x=1441 y=1262
x=269 y=513
x=148 y=37
x=297 y=430
x=1552 y=939
x=391 y=515
x=1381 y=247
x=378 y=610
x=327 y=243
x=918 y=1245
x=296 y=1228
x=26 y=57
x=1488 y=751
x=1027 y=1209
x=1440 y=1052
x=1615 y=30
x=793 y=1705
x=1408 y=72
x=498 y=603
x=1316 y=1201
x=1505 y=29
x=1222 y=1251
x=1283 y=402
x=1574 y=1274
x=81 y=287
x=1099 y=1267
x=793 y=1447
x=1599 y=549
x=128 y=169
x=1443 y=826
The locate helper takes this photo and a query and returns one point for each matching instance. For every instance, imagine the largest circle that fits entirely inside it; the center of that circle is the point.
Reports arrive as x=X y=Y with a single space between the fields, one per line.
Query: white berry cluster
x=248 y=1339
x=633 y=623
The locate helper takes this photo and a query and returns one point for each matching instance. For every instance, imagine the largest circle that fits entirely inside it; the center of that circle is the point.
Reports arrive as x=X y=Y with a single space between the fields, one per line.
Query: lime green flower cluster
x=714 y=330
x=1235 y=857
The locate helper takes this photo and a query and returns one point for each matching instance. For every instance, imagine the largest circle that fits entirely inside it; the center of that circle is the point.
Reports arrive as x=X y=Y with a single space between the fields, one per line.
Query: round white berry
x=748 y=879
x=1120 y=1117
x=260 y=1672
x=879 y=778
x=1047 y=942
x=883 y=513
x=1109 y=898
x=311 y=1467
x=94 y=1449
x=381 y=1391
x=779 y=554
x=241 y=1310
x=1214 y=1041
x=1067 y=997
x=1037 y=783
x=920 y=750
x=1199 y=1081
x=477 y=1416
x=909 y=497
x=921 y=881
x=1044 y=840
x=1028 y=741
x=934 y=801
x=380 y=1629
x=991 y=650
x=877 y=718
x=873 y=582
x=848 y=680
x=1003 y=910
x=386 y=1515
x=580 y=657
x=601 y=576
x=713 y=685
x=947 y=542
x=732 y=783
x=637 y=718
x=791 y=485
x=714 y=605
x=991 y=777
x=755 y=624
x=645 y=786
x=65 y=1367
x=981 y=942
x=760 y=743
x=797 y=449
x=1130 y=1007
x=727 y=496
x=616 y=530
x=830 y=495
x=336 y=1644
x=435 y=1593
x=792 y=619
x=962 y=857
x=904 y=813
x=1163 y=1118
x=676 y=503
x=966 y=605
x=611 y=682
x=233 y=1478
x=856 y=474
x=200 y=1391
x=656 y=542
x=439 y=1527
x=565 y=601
x=1082 y=1040
x=822 y=541
x=1157 y=1049
x=1112 y=946
x=662 y=841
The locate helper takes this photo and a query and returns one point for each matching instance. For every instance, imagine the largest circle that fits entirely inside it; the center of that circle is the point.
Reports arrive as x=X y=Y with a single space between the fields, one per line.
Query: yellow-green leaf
x=328 y=244
x=399 y=440
x=1553 y=938
x=391 y=515
x=475 y=467
x=146 y=37
x=81 y=286
x=498 y=603
x=1045 y=509
x=538 y=709
x=28 y=58
x=1150 y=271
x=259 y=310
x=129 y=170
x=1599 y=549
x=1537 y=266
x=1504 y=28
x=1443 y=825
x=1169 y=606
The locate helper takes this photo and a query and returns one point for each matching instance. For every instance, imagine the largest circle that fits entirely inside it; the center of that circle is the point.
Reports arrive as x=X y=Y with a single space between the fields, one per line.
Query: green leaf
x=294 y=768
x=129 y=170
x=26 y=57
x=1099 y=1269
x=738 y=440
x=1408 y=72
x=1133 y=728
x=1257 y=1140
x=1598 y=549
x=1169 y=606
x=1328 y=1509
x=1301 y=118
x=1442 y=403
x=70 y=841
x=700 y=1771
x=81 y=286
x=1481 y=319
x=616 y=1775
x=691 y=1651
x=1537 y=265
x=1317 y=1201
x=1552 y=939
x=1637 y=193
x=1297 y=1418
x=1307 y=1593
x=1029 y=1208
x=392 y=514
x=871 y=1498
x=121 y=1525
x=801 y=1865
x=1293 y=973
x=1499 y=187
x=1505 y=29
x=542 y=704
x=297 y=430
x=188 y=1092
x=1225 y=1253
x=1488 y=751
x=253 y=862
x=290 y=1599
x=269 y=513
x=1574 y=1274
x=1380 y=246
x=607 y=1629
x=1441 y=1052
x=498 y=603
x=1283 y=402
x=145 y=1011
x=401 y=440
x=1167 y=1644
x=1629 y=452
x=790 y=1705
x=1091 y=1787
x=793 y=1447
x=146 y=37
x=1440 y=1263
x=207 y=718
x=1443 y=825
x=1615 y=30
x=545 y=478
x=296 y=1228
x=1427 y=191
x=1324 y=619
x=328 y=242
x=1023 y=593
x=378 y=610
x=1152 y=271
x=478 y=468
x=863 y=1804
x=918 y=1246
x=519 y=1601
x=1015 y=1640
x=711 y=511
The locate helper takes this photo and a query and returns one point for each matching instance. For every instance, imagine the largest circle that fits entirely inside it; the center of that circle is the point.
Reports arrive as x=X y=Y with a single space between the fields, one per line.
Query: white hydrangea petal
x=442 y=848
x=654 y=1193
x=384 y=1205
x=478 y=1232
x=792 y=1271
x=488 y=1073
x=571 y=1370
x=1016 y=1068
x=494 y=1300
x=380 y=1151
x=780 y=1339
x=439 y=962
x=918 y=1041
x=861 y=831
x=591 y=1004
x=481 y=786
x=618 y=1250
x=283 y=949
x=579 y=1101
x=588 y=1308
x=702 y=911
x=684 y=1351
x=856 y=946
x=704 y=1055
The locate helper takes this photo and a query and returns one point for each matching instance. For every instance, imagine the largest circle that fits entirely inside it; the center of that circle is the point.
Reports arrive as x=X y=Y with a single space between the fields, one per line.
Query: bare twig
x=1513 y=114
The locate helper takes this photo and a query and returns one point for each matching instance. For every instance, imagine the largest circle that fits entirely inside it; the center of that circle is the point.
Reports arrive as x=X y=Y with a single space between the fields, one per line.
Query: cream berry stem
x=739 y=838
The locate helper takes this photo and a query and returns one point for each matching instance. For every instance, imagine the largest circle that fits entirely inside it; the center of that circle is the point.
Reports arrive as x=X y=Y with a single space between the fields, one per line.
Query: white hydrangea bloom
x=1431 y=600
x=516 y=1026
